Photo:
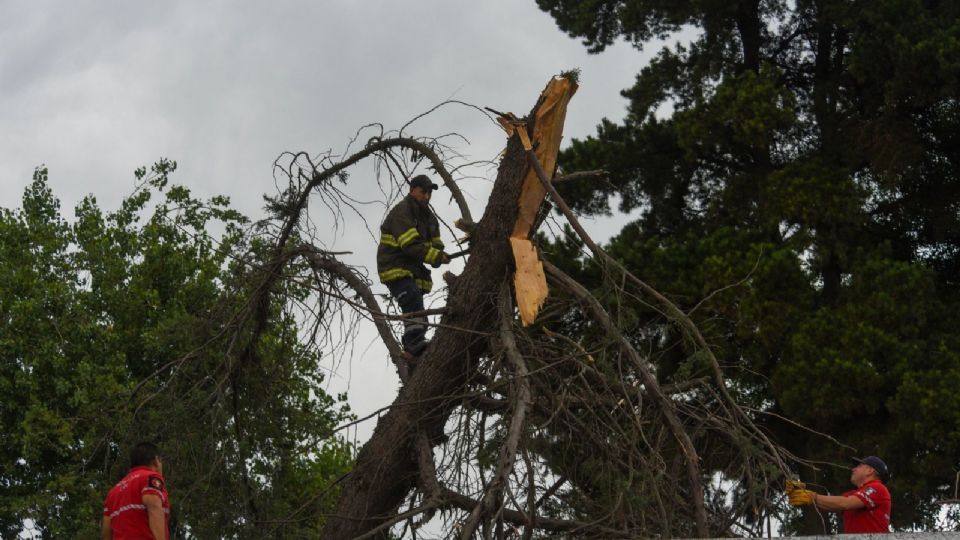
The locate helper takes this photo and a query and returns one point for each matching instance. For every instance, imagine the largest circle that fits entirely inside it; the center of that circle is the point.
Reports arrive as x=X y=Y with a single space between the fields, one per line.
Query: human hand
x=801 y=497
x=797 y=493
x=442 y=258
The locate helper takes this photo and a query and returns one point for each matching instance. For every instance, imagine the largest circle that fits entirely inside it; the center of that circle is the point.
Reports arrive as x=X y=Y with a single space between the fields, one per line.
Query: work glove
x=801 y=497
x=443 y=258
x=798 y=495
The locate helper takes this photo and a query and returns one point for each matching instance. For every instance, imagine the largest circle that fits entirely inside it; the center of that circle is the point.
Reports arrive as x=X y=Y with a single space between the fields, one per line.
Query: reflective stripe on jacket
x=409 y=237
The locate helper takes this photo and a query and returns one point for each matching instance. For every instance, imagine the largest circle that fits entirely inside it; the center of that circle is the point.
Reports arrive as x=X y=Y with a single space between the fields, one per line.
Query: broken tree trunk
x=386 y=469
x=562 y=425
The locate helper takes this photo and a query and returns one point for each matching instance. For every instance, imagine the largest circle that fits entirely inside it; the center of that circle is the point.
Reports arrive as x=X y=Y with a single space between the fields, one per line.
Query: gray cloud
x=94 y=89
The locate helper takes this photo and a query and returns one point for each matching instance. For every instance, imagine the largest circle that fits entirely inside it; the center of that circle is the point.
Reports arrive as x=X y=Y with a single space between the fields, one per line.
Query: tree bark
x=386 y=468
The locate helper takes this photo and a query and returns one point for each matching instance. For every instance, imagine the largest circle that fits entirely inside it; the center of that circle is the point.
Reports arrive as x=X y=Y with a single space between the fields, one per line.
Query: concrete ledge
x=890 y=536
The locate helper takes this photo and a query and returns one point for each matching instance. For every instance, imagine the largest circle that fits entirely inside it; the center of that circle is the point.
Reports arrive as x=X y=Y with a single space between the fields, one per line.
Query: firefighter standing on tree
x=410 y=238
x=138 y=507
x=865 y=509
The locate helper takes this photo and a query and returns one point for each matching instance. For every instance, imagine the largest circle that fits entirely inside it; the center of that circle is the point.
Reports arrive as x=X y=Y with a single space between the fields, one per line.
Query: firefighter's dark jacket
x=409 y=237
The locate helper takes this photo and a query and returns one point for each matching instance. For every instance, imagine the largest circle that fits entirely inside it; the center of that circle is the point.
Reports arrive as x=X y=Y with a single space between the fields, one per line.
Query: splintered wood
x=529 y=281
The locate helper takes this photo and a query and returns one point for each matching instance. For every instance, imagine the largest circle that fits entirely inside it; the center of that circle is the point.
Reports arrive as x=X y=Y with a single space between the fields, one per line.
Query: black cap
x=877 y=464
x=423 y=181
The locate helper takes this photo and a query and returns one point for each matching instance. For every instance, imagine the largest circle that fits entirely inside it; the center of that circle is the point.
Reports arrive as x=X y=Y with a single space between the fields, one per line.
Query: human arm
x=400 y=230
x=799 y=496
x=443 y=258
x=106 y=532
x=437 y=243
x=155 y=517
x=837 y=503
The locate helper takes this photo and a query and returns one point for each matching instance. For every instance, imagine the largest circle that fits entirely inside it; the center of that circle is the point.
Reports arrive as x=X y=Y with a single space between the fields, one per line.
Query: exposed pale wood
x=529 y=281
x=530 y=284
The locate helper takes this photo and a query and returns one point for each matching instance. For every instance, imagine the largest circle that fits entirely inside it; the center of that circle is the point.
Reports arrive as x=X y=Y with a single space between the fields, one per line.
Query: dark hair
x=143 y=454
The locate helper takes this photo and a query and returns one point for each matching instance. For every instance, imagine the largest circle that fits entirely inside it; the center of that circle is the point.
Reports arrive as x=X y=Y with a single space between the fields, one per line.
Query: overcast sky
x=95 y=89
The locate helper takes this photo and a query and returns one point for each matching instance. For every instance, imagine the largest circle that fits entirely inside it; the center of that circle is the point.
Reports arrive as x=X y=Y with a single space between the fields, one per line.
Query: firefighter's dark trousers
x=410 y=299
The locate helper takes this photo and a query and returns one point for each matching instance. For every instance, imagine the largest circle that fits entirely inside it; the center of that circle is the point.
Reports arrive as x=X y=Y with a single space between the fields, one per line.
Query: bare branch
x=519 y=518
x=669 y=307
x=580 y=175
x=376 y=145
x=521 y=399
x=690 y=453
x=327 y=263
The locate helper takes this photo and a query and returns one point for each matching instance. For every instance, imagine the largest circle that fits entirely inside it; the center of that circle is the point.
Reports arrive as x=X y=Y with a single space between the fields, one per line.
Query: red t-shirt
x=124 y=505
x=875 y=516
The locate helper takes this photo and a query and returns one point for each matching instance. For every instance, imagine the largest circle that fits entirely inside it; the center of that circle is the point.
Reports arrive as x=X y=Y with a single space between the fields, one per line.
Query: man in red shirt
x=865 y=509
x=138 y=508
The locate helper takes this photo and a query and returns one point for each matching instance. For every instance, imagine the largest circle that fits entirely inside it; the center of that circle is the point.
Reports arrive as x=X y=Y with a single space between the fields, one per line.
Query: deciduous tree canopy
x=113 y=332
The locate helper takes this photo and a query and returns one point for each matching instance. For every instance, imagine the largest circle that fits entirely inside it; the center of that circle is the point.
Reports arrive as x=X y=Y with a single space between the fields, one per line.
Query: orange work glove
x=798 y=495
x=801 y=497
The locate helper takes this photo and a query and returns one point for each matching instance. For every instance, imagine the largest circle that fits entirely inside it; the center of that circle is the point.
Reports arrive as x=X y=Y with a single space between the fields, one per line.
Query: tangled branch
x=561 y=427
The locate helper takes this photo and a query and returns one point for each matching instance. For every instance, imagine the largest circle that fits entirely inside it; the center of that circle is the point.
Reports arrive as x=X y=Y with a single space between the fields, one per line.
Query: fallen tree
x=552 y=421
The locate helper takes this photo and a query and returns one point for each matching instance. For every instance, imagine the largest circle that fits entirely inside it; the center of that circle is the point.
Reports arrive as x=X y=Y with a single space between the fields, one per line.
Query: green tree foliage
x=114 y=330
x=796 y=167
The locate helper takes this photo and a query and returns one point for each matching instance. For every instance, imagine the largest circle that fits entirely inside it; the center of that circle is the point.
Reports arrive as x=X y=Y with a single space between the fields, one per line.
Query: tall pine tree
x=795 y=164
